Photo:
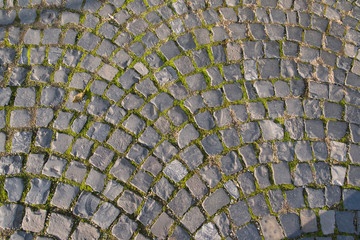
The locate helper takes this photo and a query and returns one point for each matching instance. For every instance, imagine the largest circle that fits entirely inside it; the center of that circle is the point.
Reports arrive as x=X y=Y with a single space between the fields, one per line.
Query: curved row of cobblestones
x=153 y=119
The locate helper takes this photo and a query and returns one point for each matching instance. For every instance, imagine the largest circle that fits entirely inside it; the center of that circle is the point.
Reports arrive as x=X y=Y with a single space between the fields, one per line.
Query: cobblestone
x=203 y=119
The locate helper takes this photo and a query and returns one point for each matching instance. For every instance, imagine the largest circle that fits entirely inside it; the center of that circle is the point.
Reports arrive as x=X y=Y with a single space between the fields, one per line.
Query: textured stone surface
x=197 y=119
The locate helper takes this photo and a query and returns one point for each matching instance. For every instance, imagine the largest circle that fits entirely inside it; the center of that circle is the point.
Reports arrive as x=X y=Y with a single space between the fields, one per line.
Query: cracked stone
x=86 y=205
x=34 y=220
x=39 y=191
x=14 y=188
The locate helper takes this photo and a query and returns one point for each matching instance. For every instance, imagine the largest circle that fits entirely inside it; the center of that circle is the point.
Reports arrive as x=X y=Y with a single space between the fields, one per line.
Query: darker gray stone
x=297 y=87
x=239 y=213
x=169 y=50
x=291 y=224
x=101 y=157
x=269 y=68
x=351 y=199
x=230 y=163
x=336 y=130
x=205 y=120
x=314 y=129
x=215 y=201
x=295 y=198
x=345 y=221
x=281 y=173
x=322 y=173
x=276 y=199
x=219 y=55
x=212 y=144
x=315 y=198
x=257 y=31
x=249 y=231
x=247 y=182
x=258 y=205
x=248 y=154
x=142 y=181
x=303 y=174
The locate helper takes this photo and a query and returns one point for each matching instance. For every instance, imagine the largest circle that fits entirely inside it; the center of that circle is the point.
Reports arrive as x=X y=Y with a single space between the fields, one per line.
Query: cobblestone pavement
x=184 y=119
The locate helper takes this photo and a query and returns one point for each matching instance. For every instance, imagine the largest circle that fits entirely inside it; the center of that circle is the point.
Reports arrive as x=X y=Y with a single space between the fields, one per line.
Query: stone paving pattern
x=184 y=119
